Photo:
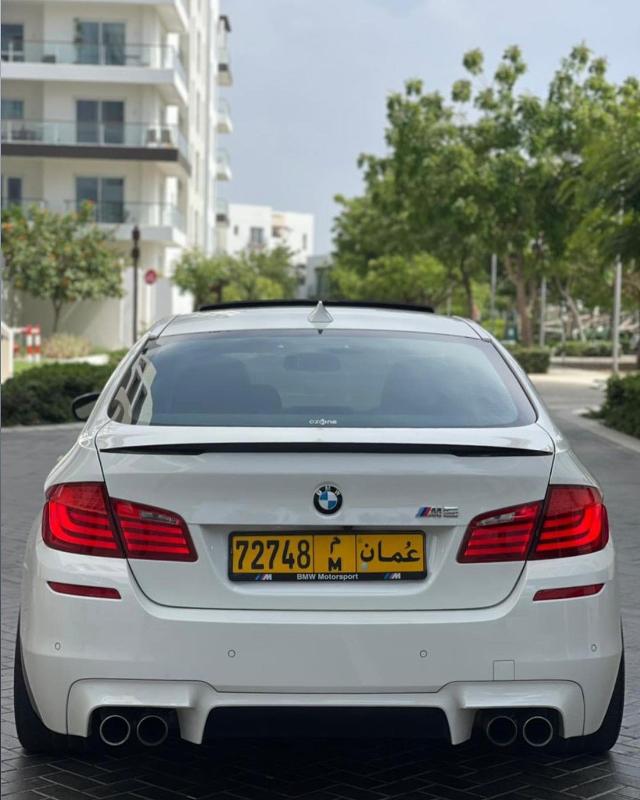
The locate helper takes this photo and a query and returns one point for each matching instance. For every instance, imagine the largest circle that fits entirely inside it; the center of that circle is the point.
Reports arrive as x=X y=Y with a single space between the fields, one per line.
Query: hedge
x=596 y=347
x=44 y=395
x=532 y=359
x=621 y=409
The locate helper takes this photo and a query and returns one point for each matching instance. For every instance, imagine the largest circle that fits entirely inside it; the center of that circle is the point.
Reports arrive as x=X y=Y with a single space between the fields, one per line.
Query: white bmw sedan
x=277 y=506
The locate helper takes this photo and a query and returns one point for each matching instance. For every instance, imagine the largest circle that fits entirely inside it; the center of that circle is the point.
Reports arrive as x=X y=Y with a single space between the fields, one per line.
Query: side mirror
x=82 y=405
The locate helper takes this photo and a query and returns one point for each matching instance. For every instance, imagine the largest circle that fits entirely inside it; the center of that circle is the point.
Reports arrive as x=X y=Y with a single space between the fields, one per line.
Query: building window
x=12 y=42
x=256 y=237
x=99 y=122
x=12 y=196
x=106 y=194
x=100 y=42
x=12 y=109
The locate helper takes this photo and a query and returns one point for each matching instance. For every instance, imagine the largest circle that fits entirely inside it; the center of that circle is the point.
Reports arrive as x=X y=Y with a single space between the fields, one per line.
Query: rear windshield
x=341 y=379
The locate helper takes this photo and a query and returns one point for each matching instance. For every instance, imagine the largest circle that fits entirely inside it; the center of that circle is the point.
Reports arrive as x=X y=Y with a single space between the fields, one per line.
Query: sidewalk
x=568 y=393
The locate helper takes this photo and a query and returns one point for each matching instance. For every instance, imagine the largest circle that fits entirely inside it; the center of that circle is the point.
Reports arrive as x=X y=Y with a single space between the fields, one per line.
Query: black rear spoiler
x=197 y=449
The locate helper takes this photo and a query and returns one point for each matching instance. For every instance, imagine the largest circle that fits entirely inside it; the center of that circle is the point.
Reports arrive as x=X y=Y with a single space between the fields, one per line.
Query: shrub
x=116 y=356
x=532 y=359
x=495 y=326
x=621 y=409
x=66 y=345
x=595 y=347
x=44 y=395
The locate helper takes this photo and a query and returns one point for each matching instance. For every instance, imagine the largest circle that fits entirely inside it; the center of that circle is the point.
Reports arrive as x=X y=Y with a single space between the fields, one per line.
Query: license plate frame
x=348 y=556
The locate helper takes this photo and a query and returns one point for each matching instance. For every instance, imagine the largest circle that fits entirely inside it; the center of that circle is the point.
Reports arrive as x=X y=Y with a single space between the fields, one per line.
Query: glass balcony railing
x=223 y=163
x=224 y=67
x=159 y=56
x=222 y=211
x=23 y=202
x=91 y=134
x=125 y=213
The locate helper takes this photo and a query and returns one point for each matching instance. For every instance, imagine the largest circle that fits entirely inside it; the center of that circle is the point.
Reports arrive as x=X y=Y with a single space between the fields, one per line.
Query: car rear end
x=264 y=512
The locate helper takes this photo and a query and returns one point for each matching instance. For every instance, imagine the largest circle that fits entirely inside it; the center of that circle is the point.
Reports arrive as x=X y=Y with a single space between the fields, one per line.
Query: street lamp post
x=543 y=311
x=494 y=283
x=135 y=257
x=617 y=297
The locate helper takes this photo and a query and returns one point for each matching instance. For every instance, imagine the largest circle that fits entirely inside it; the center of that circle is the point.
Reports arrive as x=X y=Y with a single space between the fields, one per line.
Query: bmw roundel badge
x=327 y=499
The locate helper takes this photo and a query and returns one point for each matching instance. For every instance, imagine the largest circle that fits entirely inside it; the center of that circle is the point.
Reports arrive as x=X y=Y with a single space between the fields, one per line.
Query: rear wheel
x=33 y=734
x=607 y=734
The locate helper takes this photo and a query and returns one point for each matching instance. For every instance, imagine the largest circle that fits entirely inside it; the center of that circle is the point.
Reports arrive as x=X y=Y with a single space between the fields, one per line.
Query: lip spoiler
x=197 y=449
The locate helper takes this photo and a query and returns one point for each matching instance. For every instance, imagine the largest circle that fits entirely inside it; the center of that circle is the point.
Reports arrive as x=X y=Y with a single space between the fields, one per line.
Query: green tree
x=419 y=201
x=419 y=279
x=607 y=191
x=59 y=257
x=252 y=275
x=485 y=173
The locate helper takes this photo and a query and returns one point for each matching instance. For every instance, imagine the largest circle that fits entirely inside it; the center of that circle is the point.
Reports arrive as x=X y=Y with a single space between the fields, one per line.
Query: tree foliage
x=59 y=257
x=497 y=170
x=252 y=275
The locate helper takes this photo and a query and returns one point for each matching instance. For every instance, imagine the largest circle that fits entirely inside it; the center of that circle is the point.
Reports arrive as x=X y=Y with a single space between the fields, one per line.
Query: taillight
x=81 y=518
x=149 y=532
x=575 y=523
x=76 y=519
x=503 y=535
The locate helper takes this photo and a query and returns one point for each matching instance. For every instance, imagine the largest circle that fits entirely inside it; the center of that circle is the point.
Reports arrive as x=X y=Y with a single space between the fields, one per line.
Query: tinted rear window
x=341 y=379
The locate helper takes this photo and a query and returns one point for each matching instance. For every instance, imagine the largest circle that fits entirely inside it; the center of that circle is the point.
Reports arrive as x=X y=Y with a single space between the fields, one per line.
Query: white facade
x=116 y=101
x=243 y=227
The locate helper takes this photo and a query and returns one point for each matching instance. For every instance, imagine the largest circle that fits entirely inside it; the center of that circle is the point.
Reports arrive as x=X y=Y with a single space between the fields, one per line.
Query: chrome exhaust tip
x=152 y=730
x=501 y=730
x=114 y=730
x=537 y=731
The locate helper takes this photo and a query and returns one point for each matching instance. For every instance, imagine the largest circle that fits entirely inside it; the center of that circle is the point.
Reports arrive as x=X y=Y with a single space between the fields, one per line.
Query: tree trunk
x=468 y=290
x=514 y=267
x=57 y=308
x=573 y=309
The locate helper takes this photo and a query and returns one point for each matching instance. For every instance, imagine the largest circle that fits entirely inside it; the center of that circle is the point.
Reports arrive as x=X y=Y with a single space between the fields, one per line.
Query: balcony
x=98 y=63
x=222 y=212
x=223 y=117
x=223 y=166
x=111 y=140
x=225 y=78
x=162 y=223
x=24 y=202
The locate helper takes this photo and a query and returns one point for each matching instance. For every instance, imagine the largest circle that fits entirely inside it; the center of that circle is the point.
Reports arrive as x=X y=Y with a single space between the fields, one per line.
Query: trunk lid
x=224 y=480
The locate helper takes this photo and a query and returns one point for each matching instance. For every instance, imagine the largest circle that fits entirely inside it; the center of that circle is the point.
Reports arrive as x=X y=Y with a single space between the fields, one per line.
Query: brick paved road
x=327 y=770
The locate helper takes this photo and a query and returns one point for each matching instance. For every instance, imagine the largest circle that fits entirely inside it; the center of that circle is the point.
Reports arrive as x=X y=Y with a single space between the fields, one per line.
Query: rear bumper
x=194 y=701
x=81 y=653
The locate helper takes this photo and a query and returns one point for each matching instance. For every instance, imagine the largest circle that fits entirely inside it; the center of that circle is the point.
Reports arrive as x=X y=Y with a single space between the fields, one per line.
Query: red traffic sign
x=150 y=276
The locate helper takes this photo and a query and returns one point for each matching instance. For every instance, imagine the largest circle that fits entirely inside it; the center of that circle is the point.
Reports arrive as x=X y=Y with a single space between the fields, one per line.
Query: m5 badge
x=438 y=511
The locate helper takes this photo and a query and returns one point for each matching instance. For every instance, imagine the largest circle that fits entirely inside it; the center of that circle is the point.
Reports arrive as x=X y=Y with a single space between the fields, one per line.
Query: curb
x=599 y=429
x=63 y=426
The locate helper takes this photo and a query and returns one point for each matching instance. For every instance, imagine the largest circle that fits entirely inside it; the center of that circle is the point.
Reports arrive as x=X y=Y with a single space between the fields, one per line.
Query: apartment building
x=243 y=227
x=118 y=102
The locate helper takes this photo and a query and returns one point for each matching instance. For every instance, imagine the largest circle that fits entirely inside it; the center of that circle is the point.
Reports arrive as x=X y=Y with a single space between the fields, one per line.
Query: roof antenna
x=320 y=318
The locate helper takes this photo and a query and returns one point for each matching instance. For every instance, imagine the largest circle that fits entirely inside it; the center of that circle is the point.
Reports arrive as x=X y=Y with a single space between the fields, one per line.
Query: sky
x=311 y=78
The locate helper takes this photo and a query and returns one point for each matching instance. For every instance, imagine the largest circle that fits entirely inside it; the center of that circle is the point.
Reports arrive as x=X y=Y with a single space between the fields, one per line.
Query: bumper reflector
x=568 y=592
x=77 y=590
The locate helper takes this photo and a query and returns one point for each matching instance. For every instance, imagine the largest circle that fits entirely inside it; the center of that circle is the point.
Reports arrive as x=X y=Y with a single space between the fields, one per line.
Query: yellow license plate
x=328 y=557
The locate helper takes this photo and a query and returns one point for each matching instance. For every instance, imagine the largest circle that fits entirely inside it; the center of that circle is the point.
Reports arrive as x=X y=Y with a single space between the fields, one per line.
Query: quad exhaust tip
x=537 y=731
x=152 y=730
x=501 y=730
x=114 y=730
